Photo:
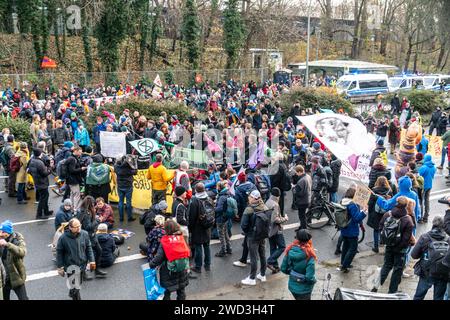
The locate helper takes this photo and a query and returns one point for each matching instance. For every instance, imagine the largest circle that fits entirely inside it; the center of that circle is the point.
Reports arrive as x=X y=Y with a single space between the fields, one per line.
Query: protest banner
x=145 y=146
x=142 y=192
x=434 y=146
x=157 y=89
x=112 y=144
x=347 y=139
x=362 y=196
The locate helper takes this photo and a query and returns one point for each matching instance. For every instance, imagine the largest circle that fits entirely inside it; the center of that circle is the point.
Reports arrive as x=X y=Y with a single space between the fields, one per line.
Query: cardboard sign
x=362 y=196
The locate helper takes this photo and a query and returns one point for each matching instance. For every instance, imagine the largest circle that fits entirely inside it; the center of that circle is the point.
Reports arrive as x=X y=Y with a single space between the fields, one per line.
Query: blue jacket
x=356 y=215
x=96 y=132
x=82 y=137
x=422 y=147
x=427 y=171
x=211 y=183
x=405 y=185
x=62 y=216
x=221 y=206
x=241 y=195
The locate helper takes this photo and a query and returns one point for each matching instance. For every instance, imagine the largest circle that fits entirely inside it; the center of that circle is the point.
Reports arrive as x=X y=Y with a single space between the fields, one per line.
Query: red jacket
x=107 y=213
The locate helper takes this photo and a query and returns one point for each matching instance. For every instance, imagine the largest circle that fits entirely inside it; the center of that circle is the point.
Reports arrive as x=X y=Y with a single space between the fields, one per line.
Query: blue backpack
x=232 y=208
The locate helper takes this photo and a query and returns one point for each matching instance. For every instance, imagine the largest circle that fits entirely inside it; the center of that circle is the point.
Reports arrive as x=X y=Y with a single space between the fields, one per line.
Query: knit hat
x=102 y=227
x=242 y=177
x=7 y=227
x=73 y=115
x=73 y=105
x=179 y=190
x=68 y=144
x=380 y=142
x=162 y=205
x=67 y=202
x=419 y=156
x=316 y=145
x=276 y=192
x=255 y=194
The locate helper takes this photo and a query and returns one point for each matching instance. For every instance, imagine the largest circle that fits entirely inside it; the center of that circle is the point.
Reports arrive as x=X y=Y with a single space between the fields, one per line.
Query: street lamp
x=307 y=45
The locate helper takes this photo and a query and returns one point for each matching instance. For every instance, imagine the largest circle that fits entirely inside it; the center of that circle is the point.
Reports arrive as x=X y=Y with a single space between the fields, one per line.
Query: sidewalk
x=362 y=276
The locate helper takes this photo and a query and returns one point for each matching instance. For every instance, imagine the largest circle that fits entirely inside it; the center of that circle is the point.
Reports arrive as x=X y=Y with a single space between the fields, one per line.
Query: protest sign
x=145 y=146
x=142 y=192
x=434 y=146
x=112 y=144
x=157 y=89
x=362 y=196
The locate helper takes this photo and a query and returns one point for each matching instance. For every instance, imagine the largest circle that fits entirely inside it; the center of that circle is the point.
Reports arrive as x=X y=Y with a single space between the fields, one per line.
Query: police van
x=437 y=82
x=405 y=82
x=362 y=87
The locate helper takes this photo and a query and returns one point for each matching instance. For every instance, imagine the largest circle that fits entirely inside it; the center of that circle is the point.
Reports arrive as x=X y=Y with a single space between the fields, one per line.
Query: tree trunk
x=384 y=42
x=87 y=43
x=408 y=54
x=441 y=54
x=327 y=21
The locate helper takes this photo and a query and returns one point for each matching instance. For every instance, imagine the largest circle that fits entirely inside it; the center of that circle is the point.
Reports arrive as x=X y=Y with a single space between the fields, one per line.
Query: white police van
x=433 y=82
x=405 y=82
x=362 y=87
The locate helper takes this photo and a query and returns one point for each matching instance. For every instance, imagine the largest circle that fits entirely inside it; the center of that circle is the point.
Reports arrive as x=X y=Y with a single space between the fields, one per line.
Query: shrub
x=19 y=128
x=324 y=98
x=424 y=101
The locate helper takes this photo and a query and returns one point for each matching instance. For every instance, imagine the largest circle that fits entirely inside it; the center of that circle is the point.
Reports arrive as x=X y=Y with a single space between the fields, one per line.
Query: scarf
x=307 y=247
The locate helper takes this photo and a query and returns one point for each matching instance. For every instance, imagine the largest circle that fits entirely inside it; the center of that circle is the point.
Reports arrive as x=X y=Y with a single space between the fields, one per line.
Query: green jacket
x=2 y=279
x=445 y=139
x=295 y=260
x=14 y=266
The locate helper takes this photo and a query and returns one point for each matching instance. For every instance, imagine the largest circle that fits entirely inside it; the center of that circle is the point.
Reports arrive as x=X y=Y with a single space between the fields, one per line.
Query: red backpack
x=14 y=164
x=175 y=247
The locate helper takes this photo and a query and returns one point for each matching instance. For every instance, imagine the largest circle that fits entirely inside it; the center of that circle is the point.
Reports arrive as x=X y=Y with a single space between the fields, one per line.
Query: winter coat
x=107 y=213
x=405 y=185
x=74 y=250
x=277 y=179
x=75 y=174
x=356 y=216
x=82 y=136
x=179 y=211
x=427 y=171
x=22 y=176
x=199 y=235
x=382 y=130
x=435 y=117
x=108 y=246
x=422 y=147
x=87 y=224
x=276 y=219
x=247 y=222
x=16 y=250
x=171 y=281
x=302 y=191
x=297 y=261
x=443 y=123
x=125 y=175
x=406 y=227
x=221 y=206
x=2 y=278
x=376 y=154
x=148 y=218
x=241 y=195
x=335 y=166
x=319 y=180
x=40 y=172
x=96 y=132
x=63 y=216
x=378 y=171
x=421 y=248
x=211 y=183
x=160 y=176
x=394 y=134
x=447 y=222
x=374 y=218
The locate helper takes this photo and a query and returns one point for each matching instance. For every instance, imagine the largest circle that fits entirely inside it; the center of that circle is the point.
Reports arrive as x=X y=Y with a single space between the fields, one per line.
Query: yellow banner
x=434 y=146
x=142 y=192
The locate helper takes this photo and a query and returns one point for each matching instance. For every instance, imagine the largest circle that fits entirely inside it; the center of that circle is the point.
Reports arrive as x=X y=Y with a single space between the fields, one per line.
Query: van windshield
x=343 y=85
x=395 y=83
x=428 y=82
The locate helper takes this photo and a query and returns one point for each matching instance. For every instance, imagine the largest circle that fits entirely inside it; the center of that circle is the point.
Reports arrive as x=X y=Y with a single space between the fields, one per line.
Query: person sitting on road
x=109 y=250
x=104 y=212
x=64 y=214
x=154 y=237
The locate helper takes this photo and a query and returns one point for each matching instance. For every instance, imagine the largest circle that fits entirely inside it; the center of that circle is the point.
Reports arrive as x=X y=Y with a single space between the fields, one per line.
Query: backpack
x=14 y=164
x=341 y=216
x=420 y=181
x=384 y=157
x=62 y=170
x=118 y=239
x=261 y=224
x=379 y=210
x=98 y=175
x=177 y=252
x=232 y=208
x=390 y=235
x=262 y=185
x=207 y=216
x=329 y=175
x=433 y=265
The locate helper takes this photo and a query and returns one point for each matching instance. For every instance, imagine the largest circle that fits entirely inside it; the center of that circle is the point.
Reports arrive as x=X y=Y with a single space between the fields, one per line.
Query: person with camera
x=40 y=171
x=73 y=254
x=125 y=171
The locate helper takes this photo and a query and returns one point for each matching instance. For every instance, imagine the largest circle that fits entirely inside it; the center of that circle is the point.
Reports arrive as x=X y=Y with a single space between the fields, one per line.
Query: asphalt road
x=125 y=281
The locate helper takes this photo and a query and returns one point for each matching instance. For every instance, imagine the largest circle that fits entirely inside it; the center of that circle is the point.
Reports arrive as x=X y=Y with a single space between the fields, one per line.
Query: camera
x=445 y=200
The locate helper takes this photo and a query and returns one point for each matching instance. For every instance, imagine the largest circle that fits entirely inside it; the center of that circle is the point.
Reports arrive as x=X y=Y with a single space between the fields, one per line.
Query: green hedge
x=324 y=98
x=151 y=109
x=424 y=101
x=19 y=128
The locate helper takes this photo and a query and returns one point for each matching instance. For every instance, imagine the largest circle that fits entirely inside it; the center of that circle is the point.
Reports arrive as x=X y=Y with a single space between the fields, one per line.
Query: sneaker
x=239 y=264
x=131 y=219
x=208 y=268
x=376 y=250
x=249 y=282
x=406 y=275
x=229 y=251
x=36 y=202
x=374 y=290
x=344 y=270
x=197 y=270
x=260 y=277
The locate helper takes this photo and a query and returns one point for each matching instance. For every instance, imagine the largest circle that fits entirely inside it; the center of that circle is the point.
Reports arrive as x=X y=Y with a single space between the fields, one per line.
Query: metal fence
x=58 y=80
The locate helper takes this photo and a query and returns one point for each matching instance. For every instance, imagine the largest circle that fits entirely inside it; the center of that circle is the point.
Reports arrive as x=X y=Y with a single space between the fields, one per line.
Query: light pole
x=307 y=45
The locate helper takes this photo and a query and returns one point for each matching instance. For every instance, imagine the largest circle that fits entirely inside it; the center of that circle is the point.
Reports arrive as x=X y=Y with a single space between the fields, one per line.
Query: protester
x=160 y=178
x=64 y=214
x=302 y=194
x=394 y=134
x=378 y=152
x=378 y=169
x=125 y=174
x=222 y=219
x=9 y=154
x=181 y=178
x=40 y=172
x=434 y=121
x=109 y=250
x=243 y=189
x=335 y=165
x=98 y=178
x=154 y=237
x=104 y=213
x=427 y=171
x=74 y=176
x=22 y=177
x=299 y=263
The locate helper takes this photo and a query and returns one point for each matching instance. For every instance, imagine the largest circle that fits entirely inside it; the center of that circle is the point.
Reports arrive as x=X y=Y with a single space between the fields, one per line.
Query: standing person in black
x=125 y=174
x=279 y=178
x=395 y=104
x=434 y=121
x=75 y=176
x=40 y=172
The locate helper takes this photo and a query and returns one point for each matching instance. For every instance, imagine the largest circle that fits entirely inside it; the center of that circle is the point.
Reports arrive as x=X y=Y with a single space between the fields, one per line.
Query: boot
x=100 y=273
x=221 y=254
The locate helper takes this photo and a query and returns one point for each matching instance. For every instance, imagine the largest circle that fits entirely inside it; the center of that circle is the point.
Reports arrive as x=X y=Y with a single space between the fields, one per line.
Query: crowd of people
x=206 y=202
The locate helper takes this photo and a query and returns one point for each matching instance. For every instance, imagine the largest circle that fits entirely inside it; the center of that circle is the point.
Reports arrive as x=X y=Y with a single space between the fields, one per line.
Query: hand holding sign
x=362 y=197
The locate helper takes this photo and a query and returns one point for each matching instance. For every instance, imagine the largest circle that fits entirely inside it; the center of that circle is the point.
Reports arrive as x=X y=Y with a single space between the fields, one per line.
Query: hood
x=346 y=201
x=379 y=167
x=61 y=209
x=202 y=195
x=428 y=161
x=404 y=184
x=224 y=191
x=156 y=164
x=398 y=213
x=381 y=190
x=438 y=234
x=296 y=254
x=260 y=206
x=103 y=237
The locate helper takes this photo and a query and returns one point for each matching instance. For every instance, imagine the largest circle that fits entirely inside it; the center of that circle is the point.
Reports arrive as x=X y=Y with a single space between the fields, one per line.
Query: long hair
x=382 y=182
x=88 y=204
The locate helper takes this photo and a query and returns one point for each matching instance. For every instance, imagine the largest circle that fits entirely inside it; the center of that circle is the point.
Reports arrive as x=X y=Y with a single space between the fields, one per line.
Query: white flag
x=232 y=188
x=157 y=89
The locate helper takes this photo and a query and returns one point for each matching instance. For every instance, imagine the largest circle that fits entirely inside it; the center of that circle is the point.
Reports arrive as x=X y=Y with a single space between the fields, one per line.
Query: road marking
x=440 y=191
x=33 y=221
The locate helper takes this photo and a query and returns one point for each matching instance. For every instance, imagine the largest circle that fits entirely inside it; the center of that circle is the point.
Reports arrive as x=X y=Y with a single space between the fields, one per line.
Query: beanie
x=68 y=144
x=7 y=227
x=316 y=145
x=276 y=192
x=102 y=227
x=380 y=142
x=242 y=177
x=162 y=205
x=179 y=190
x=67 y=202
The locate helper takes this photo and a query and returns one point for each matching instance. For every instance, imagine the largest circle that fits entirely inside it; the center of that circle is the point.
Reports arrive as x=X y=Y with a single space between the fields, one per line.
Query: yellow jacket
x=22 y=173
x=160 y=176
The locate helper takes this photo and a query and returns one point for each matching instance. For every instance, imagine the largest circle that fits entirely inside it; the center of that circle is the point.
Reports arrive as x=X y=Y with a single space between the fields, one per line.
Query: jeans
x=349 y=249
x=244 y=250
x=302 y=215
x=394 y=261
x=440 y=286
x=277 y=247
x=447 y=294
x=198 y=257
x=42 y=209
x=21 y=194
x=125 y=193
x=224 y=237
x=333 y=197
x=281 y=202
x=443 y=156
x=97 y=249
x=181 y=294
x=339 y=243
x=20 y=292
x=75 y=196
x=158 y=196
x=426 y=200
x=256 y=248
x=376 y=239
x=12 y=182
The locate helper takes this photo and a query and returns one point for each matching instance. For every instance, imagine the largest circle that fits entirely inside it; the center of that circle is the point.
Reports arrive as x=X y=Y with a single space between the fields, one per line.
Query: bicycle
x=321 y=213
